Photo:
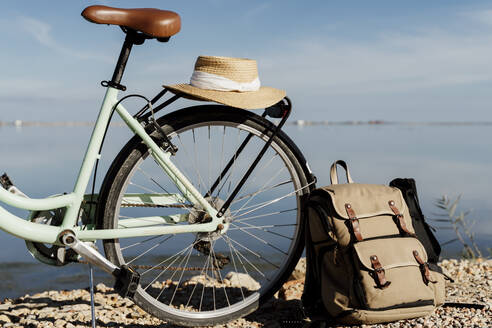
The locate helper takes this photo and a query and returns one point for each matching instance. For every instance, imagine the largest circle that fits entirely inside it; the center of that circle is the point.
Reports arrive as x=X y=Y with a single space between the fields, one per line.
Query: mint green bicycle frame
x=135 y=227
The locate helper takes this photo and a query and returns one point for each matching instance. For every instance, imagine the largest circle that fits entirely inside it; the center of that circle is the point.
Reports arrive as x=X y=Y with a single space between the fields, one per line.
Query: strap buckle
x=354 y=221
x=424 y=268
x=379 y=276
x=400 y=220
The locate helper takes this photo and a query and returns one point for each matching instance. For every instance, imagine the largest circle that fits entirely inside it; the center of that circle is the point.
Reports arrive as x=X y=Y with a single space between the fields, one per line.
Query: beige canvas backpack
x=365 y=263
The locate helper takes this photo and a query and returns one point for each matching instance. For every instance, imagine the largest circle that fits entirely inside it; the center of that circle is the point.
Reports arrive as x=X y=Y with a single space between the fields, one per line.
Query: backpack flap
x=393 y=273
x=363 y=211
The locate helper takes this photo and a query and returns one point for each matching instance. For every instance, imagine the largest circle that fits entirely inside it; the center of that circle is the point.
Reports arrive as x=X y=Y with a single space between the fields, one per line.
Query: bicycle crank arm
x=126 y=279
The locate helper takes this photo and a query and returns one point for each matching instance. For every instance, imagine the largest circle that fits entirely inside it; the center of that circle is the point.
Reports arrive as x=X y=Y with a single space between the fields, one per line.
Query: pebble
x=70 y=309
x=4 y=318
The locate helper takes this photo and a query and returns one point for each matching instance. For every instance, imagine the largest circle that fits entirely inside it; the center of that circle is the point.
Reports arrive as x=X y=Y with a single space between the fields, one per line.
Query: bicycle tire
x=131 y=158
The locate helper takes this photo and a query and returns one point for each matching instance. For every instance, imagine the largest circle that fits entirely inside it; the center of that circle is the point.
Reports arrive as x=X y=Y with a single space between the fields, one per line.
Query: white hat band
x=204 y=80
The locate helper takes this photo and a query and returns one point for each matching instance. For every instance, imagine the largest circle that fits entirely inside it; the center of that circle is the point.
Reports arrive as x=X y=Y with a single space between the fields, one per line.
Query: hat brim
x=264 y=97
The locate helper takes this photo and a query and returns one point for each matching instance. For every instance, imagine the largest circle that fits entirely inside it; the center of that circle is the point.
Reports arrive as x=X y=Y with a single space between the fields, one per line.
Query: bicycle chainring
x=48 y=253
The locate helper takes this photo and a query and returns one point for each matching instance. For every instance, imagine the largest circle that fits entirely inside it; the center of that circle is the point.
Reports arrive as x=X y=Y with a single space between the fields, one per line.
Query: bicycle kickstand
x=91 y=289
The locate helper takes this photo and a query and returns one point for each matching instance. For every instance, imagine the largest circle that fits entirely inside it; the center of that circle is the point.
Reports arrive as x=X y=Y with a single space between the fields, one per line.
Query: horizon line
x=21 y=123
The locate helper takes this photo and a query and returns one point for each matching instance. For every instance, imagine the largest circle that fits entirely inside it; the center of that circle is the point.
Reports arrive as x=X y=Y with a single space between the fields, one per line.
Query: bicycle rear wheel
x=210 y=278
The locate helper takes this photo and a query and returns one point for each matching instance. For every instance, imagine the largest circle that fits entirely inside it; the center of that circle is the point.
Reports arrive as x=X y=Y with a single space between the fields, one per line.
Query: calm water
x=444 y=160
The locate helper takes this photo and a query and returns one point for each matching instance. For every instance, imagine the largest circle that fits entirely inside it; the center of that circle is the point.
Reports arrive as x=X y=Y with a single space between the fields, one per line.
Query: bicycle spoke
x=265 y=226
x=252 y=197
x=218 y=271
x=232 y=168
x=234 y=264
x=140 y=242
x=209 y=259
x=162 y=262
x=196 y=163
x=252 y=252
x=240 y=261
x=236 y=252
x=143 y=188
x=264 y=215
x=261 y=205
x=251 y=264
x=258 y=238
x=148 y=250
x=205 y=267
x=152 y=179
x=262 y=229
x=182 y=167
x=159 y=185
x=258 y=172
x=172 y=276
x=221 y=157
x=199 y=177
x=162 y=272
x=181 y=276
x=261 y=191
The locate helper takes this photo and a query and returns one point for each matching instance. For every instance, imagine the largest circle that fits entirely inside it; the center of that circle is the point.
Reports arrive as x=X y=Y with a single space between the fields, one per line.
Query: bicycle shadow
x=46 y=310
x=109 y=307
x=199 y=296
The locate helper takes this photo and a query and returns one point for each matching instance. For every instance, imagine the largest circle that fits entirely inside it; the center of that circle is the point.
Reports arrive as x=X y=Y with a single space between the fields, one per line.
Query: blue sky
x=357 y=60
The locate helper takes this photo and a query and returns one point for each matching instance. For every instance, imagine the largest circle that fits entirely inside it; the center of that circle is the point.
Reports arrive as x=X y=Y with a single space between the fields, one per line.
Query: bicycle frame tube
x=163 y=159
x=72 y=202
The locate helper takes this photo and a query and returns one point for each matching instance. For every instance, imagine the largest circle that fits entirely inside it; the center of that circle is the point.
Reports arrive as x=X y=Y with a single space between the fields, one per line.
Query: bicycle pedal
x=126 y=281
x=6 y=182
x=65 y=255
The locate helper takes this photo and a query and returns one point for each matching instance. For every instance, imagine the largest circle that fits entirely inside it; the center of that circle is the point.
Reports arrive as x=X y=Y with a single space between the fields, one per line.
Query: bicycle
x=234 y=198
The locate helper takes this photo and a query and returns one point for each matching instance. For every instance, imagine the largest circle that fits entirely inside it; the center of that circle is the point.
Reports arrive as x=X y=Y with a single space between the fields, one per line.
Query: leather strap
x=333 y=172
x=354 y=221
x=379 y=276
x=424 y=268
x=400 y=221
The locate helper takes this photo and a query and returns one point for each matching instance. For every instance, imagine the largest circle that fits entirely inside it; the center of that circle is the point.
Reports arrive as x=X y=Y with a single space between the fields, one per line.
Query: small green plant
x=461 y=225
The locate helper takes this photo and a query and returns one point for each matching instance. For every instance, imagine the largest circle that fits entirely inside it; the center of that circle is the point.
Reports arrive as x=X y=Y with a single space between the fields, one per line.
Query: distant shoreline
x=20 y=123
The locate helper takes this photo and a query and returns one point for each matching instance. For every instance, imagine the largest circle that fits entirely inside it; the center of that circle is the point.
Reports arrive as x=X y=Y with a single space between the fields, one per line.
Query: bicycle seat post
x=132 y=37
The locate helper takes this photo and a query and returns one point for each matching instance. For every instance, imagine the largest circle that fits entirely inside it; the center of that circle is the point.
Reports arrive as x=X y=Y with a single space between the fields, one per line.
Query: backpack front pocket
x=393 y=273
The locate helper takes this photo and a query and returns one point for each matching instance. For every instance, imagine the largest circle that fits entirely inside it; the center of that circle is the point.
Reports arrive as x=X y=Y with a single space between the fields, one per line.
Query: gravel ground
x=473 y=284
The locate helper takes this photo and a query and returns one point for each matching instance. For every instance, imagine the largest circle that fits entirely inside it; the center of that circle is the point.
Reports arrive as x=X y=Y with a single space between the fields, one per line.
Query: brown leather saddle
x=154 y=23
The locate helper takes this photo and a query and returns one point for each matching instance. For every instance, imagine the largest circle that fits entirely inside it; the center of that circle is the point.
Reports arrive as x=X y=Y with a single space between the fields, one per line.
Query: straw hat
x=229 y=81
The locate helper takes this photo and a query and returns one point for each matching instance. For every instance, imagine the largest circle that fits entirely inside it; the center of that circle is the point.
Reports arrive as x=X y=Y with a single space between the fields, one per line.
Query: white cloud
x=25 y=88
x=14 y=87
x=41 y=31
x=256 y=11
x=483 y=16
x=395 y=62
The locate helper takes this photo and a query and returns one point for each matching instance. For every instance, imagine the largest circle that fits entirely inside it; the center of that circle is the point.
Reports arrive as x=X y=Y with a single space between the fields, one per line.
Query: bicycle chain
x=157 y=205
x=146 y=267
